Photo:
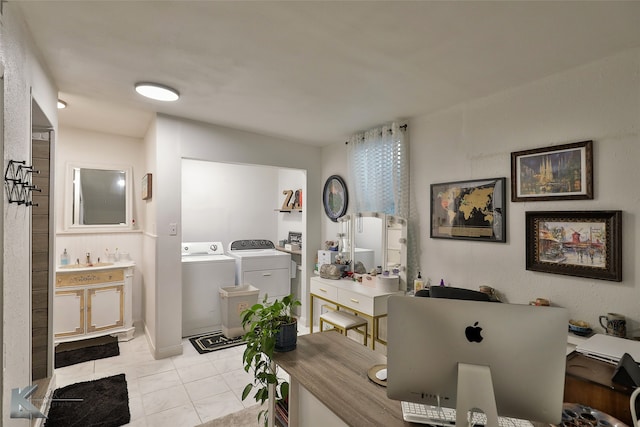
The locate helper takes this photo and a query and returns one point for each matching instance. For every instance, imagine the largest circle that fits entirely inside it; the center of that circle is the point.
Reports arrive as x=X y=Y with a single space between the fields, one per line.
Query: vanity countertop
x=73 y=268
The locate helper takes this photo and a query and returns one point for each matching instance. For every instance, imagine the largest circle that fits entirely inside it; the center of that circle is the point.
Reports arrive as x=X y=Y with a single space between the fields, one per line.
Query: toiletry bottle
x=441 y=282
x=418 y=283
x=64 y=258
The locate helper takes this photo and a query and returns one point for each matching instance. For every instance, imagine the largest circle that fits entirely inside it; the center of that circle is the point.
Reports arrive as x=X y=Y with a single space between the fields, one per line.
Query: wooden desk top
x=333 y=368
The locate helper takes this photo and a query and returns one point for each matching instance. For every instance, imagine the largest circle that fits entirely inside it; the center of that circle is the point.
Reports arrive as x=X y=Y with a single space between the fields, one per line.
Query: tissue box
x=292 y=247
x=327 y=257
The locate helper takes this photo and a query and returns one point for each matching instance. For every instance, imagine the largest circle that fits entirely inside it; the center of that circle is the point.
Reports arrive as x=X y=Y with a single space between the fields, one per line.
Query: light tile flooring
x=185 y=390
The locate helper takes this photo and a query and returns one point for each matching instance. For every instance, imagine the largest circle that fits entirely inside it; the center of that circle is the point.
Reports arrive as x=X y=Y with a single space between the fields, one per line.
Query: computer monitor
x=467 y=354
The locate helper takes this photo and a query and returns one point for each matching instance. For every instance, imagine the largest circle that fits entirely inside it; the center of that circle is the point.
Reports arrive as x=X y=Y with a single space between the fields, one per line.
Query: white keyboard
x=439 y=416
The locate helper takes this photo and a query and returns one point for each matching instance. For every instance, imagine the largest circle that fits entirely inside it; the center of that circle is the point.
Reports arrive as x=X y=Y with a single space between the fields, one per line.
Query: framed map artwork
x=469 y=210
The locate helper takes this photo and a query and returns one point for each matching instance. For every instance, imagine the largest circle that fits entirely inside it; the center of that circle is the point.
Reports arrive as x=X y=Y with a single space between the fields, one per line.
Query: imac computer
x=507 y=360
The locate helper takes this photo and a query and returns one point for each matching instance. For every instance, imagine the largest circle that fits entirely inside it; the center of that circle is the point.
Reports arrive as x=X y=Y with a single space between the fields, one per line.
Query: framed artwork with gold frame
x=146 y=186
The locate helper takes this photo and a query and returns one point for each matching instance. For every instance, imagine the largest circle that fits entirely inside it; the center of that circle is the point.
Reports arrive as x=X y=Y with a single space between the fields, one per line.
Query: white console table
x=365 y=299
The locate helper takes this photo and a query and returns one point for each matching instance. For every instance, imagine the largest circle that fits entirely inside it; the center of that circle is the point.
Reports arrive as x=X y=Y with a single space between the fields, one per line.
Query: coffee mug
x=614 y=324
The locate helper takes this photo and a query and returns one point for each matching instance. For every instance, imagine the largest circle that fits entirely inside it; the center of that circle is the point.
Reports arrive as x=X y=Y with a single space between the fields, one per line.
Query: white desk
x=365 y=299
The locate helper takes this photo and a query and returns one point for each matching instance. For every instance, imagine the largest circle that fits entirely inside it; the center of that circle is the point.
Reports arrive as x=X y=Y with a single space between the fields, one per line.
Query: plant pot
x=287 y=337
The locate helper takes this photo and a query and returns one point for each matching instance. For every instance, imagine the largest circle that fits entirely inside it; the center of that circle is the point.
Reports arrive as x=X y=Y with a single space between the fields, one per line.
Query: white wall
x=97 y=148
x=175 y=139
x=226 y=202
x=600 y=102
x=24 y=75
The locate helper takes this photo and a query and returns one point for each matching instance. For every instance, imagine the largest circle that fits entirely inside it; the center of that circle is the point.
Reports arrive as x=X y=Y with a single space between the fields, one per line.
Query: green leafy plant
x=262 y=323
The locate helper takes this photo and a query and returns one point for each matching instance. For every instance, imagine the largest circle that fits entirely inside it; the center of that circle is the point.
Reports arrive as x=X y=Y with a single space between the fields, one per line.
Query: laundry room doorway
x=229 y=201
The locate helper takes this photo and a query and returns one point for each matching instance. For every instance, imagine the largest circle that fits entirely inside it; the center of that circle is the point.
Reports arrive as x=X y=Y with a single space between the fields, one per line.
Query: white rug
x=245 y=418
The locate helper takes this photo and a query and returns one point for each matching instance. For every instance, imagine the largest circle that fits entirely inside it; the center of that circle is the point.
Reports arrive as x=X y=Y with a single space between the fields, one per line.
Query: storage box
x=327 y=257
x=292 y=247
x=233 y=301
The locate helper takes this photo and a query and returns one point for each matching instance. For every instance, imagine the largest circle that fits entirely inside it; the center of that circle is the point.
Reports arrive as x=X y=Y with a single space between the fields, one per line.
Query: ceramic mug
x=614 y=324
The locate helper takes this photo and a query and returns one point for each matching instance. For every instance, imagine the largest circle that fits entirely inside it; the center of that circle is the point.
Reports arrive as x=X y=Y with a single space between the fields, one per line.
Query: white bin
x=233 y=301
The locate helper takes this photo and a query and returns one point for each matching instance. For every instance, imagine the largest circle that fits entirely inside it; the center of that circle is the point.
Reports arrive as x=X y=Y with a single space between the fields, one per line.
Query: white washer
x=260 y=264
x=205 y=269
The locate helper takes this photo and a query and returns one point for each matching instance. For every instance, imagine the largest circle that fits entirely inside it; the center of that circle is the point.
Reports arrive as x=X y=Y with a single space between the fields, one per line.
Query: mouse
x=381 y=375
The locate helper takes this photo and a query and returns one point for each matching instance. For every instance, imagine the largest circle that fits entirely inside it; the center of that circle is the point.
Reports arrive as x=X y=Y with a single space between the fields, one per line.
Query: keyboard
x=440 y=416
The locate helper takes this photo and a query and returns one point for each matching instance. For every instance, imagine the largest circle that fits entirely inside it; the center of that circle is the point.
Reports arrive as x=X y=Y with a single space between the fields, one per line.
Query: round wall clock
x=335 y=197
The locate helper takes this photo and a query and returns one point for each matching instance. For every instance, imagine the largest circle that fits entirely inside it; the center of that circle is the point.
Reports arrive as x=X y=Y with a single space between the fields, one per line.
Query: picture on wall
x=575 y=243
x=469 y=210
x=561 y=172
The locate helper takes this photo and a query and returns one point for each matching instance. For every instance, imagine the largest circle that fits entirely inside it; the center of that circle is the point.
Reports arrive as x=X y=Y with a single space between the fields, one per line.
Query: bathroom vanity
x=91 y=301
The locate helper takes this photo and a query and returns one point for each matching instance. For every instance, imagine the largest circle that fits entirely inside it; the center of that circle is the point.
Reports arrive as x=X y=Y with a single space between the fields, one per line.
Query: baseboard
x=161 y=353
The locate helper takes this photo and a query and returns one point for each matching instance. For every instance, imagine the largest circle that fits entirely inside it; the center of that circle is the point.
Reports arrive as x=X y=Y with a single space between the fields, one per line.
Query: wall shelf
x=288 y=210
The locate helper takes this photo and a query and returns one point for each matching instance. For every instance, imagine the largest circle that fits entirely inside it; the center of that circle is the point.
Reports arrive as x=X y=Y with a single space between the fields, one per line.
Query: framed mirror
x=368 y=240
x=98 y=197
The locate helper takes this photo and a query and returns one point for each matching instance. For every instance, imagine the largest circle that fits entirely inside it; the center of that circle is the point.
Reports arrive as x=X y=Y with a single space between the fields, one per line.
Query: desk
x=367 y=301
x=329 y=385
x=588 y=382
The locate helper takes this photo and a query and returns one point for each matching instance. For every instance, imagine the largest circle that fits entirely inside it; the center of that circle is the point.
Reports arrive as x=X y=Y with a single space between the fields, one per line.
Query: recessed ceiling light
x=61 y=104
x=157 y=91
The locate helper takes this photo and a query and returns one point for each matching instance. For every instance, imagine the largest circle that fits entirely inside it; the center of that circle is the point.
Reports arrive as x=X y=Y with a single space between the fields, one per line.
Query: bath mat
x=97 y=403
x=70 y=353
x=214 y=341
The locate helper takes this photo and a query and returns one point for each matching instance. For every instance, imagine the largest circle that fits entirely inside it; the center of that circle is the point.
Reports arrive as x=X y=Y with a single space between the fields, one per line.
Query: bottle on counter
x=418 y=283
x=64 y=258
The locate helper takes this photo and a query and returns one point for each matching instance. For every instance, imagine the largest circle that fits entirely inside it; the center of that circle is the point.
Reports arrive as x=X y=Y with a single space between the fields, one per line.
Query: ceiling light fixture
x=157 y=91
x=61 y=104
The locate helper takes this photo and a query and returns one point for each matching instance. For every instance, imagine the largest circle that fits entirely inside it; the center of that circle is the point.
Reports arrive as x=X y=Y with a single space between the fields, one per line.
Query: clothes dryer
x=260 y=264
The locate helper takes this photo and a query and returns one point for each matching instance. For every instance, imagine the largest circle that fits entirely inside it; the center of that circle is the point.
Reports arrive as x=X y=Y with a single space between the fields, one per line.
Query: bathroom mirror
x=98 y=197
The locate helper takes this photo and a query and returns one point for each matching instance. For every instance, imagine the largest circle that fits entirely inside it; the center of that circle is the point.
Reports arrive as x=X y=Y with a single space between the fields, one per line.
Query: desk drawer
x=356 y=301
x=324 y=291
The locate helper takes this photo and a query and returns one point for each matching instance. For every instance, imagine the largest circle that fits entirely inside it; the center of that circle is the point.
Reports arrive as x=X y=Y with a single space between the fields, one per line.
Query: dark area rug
x=98 y=403
x=214 y=341
x=70 y=353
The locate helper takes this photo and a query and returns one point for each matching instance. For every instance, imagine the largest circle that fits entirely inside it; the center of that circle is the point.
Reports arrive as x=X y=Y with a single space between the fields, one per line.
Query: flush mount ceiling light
x=157 y=91
x=61 y=104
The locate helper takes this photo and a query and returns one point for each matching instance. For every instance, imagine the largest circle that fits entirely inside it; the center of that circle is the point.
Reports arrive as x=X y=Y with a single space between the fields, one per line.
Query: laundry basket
x=233 y=301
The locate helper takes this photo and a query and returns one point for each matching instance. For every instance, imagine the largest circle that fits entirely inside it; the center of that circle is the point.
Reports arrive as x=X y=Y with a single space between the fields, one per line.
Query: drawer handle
x=354 y=300
x=323 y=290
x=266 y=274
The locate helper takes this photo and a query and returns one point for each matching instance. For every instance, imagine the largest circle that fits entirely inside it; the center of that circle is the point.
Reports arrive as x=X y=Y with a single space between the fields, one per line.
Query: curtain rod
x=402 y=127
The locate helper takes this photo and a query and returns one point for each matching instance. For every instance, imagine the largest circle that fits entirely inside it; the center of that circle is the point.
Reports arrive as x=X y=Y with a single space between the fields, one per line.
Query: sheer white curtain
x=379 y=162
x=380 y=166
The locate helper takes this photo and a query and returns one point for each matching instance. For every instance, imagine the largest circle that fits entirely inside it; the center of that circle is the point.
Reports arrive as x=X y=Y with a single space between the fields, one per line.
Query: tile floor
x=185 y=390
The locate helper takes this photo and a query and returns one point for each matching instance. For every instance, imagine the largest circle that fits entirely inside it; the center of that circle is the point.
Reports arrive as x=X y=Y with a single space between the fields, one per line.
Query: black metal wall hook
x=17 y=182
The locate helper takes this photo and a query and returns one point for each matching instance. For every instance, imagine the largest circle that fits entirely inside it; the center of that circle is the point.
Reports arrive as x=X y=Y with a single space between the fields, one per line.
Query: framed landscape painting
x=469 y=210
x=561 y=172
x=575 y=243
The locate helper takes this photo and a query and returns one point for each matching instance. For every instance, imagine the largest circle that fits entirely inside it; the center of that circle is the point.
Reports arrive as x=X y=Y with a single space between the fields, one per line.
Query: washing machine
x=205 y=269
x=260 y=264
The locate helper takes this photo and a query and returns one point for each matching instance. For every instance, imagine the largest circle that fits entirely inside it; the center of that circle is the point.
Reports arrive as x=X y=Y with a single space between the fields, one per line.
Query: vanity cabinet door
x=69 y=313
x=105 y=308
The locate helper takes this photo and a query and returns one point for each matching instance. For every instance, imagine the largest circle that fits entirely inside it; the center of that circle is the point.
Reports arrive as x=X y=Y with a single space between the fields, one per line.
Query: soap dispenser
x=64 y=258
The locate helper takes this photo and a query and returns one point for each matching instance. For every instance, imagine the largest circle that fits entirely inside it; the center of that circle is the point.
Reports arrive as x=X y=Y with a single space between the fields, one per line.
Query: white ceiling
x=313 y=72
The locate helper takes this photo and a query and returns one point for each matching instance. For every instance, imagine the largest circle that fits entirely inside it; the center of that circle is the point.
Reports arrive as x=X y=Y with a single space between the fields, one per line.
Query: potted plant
x=269 y=327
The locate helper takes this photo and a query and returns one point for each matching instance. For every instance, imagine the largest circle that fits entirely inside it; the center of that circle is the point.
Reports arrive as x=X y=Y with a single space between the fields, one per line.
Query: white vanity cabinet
x=93 y=301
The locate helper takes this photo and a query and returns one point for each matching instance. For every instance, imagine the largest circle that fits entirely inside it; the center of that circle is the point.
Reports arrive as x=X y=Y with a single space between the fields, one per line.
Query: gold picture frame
x=146 y=186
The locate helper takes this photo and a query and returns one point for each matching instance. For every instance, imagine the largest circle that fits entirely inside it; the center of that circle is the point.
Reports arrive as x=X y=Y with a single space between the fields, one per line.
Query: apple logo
x=473 y=333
